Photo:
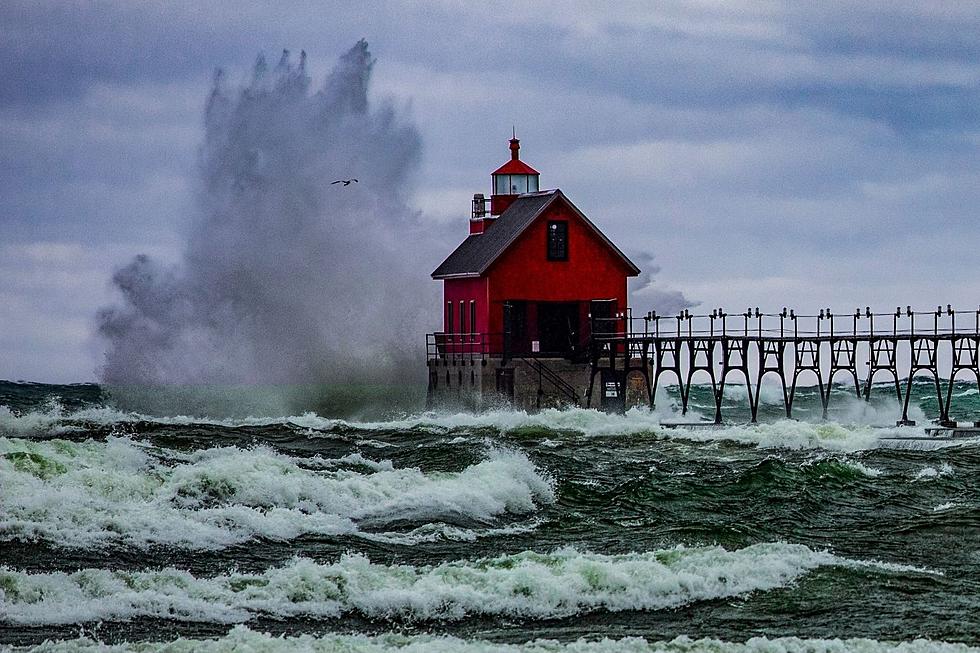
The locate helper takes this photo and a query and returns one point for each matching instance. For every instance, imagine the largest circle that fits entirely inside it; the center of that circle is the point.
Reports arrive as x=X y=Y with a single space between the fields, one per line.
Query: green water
x=455 y=530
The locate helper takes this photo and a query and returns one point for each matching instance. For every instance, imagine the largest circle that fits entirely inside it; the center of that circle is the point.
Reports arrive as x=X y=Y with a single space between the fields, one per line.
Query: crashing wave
x=242 y=638
x=526 y=585
x=568 y=423
x=123 y=492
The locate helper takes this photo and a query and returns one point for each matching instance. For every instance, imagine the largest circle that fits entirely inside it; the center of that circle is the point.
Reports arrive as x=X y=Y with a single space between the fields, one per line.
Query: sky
x=754 y=154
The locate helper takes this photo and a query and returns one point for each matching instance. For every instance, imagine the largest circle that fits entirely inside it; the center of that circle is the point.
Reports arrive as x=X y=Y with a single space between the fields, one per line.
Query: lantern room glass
x=515 y=184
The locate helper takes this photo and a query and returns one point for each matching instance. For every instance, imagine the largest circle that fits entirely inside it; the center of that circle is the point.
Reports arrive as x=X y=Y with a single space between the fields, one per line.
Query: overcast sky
x=766 y=154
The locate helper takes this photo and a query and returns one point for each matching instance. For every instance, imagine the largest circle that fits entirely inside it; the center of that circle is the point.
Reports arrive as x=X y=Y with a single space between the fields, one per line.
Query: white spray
x=286 y=277
x=645 y=294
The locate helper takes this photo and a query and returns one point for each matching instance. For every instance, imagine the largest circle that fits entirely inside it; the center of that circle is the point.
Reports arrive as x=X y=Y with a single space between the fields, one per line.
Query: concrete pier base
x=477 y=384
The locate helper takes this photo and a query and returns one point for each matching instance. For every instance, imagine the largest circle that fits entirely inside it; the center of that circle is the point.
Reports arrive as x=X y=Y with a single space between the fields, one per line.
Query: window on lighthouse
x=558 y=241
x=473 y=318
x=515 y=184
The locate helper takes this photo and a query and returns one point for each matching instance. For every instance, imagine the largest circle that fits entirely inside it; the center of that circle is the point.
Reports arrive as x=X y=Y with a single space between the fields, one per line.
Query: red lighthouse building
x=520 y=289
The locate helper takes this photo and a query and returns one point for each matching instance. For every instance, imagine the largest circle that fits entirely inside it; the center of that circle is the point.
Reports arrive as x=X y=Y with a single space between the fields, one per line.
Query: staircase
x=545 y=373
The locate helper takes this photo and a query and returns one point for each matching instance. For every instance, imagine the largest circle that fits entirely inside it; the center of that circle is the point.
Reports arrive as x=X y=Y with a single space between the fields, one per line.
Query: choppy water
x=557 y=531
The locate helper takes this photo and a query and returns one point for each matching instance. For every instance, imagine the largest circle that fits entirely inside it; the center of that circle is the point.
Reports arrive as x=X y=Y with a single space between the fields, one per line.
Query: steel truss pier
x=753 y=345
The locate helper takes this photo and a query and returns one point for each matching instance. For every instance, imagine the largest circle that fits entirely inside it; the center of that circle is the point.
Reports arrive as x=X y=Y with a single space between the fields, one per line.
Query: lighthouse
x=519 y=293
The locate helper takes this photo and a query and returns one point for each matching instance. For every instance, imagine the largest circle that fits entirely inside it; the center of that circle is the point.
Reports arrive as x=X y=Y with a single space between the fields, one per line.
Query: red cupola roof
x=511 y=180
x=515 y=166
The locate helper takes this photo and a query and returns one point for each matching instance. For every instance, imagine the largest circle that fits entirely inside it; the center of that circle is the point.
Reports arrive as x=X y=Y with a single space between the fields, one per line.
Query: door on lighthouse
x=558 y=327
x=515 y=327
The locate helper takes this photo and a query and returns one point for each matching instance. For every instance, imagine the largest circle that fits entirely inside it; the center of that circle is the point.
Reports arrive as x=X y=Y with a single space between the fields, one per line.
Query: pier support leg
x=944 y=419
x=719 y=394
x=905 y=421
x=825 y=396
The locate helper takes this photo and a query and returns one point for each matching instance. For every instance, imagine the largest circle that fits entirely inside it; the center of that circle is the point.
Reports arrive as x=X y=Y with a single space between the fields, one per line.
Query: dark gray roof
x=475 y=254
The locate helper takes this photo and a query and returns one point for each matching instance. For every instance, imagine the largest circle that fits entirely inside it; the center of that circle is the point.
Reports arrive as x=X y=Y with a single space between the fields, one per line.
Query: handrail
x=544 y=371
x=787 y=323
x=466 y=347
x=462 y=346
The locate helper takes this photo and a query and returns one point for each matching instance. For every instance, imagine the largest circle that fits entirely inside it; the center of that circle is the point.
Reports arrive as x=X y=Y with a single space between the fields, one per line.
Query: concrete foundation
x=481 y=384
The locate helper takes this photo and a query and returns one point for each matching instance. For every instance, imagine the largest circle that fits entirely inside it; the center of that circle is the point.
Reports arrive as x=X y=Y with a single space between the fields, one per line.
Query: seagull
x=345 y=182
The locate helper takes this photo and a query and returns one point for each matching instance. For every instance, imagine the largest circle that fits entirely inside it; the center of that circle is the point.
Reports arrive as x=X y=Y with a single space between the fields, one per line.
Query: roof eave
x=457 y=275
x=515 y=167
x=633 y=270
x=514 y=238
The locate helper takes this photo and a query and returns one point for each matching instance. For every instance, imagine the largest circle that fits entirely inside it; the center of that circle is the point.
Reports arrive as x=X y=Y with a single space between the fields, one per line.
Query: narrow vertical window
x=558 y=241
x=462 y=317
x=473 y=317
x=449 y=317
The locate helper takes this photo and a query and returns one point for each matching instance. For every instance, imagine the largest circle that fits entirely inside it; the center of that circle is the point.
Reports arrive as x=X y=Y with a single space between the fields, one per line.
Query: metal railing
x=941 y=343
x=479 y=346
x=463 y=346
x=790 y=325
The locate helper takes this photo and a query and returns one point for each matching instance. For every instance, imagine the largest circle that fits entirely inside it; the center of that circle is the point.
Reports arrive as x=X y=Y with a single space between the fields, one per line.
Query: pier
x=860 y=345
x=535 y=314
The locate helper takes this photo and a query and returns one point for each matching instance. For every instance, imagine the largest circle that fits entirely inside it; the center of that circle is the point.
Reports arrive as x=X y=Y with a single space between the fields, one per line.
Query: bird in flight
x=345 y=182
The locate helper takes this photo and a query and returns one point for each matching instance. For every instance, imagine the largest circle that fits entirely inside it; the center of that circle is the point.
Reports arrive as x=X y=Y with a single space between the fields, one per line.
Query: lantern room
x=512 y=179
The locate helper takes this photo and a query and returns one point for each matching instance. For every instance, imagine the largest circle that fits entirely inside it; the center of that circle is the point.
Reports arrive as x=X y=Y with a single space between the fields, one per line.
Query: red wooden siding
x=466 y=290
x=523 y=272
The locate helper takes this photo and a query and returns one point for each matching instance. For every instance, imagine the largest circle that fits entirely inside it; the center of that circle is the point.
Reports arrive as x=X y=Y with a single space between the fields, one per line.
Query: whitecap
x=871 y=472
x=241 y=638
x=642 y=422
x=928 y=472
x=525 y=585
x=123 y=492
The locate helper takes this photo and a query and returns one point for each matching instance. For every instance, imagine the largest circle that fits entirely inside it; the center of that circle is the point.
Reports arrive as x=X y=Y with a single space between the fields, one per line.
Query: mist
x=286 y=278
x=647 y=295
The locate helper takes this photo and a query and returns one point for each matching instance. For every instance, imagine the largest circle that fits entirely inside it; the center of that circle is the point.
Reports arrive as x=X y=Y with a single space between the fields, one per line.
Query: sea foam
x=241 y=638
x=120 y=491
x=56 y=420
x=566 y=423
x=929 y=473
x=525 y=585
x=641 y=422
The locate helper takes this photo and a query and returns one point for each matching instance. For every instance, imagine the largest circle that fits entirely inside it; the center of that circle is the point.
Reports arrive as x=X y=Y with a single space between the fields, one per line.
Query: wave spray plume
x=285 y=278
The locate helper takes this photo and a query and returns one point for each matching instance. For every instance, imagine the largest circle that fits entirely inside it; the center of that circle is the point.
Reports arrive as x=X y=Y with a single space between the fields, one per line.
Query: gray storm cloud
x=285 y=277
